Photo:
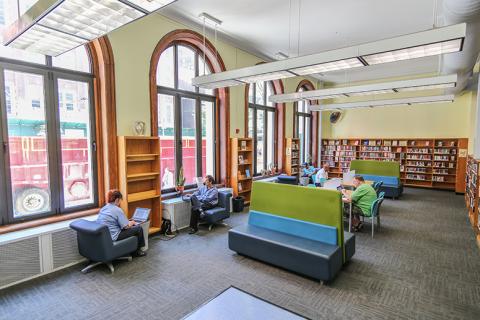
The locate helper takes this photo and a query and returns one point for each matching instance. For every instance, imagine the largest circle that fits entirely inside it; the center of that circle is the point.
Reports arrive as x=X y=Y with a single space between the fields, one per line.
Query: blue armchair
x=96 y=244
x=216 y=215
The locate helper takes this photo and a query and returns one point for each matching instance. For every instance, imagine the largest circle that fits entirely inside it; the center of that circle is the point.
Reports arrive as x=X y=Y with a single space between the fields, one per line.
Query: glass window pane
x=188 y=140
x=76 y=150
x=208 y=138
x=166 y=133
x=166 y=69
x=27 y=139
x=269 y=93
x=8 y=14
x=260 y=94
x=307 y=140
x=186 y=68
x=251 y=113
x=76 y=59
x=260 y=139
x=301 y=136
x=203 y=69
x=251 y=88
x=271 y=139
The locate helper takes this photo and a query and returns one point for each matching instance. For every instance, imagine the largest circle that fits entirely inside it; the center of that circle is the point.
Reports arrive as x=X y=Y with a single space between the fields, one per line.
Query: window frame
x=305 y=117
x=196 y=95
x=50 y=76
x=255 y=107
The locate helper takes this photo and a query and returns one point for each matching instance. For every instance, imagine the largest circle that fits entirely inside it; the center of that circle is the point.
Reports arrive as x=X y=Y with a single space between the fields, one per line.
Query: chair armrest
x=124 y=247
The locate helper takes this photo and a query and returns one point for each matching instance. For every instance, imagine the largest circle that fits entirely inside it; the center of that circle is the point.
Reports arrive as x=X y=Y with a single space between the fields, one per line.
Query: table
x=350 y=184
x=236 y=304
x=349 y=194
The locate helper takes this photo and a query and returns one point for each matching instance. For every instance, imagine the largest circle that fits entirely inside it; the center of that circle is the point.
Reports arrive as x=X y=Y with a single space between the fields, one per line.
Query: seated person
x=362 y=199
x=119 y=226
x=322 y=175
x=206 y=197
x=308 y=171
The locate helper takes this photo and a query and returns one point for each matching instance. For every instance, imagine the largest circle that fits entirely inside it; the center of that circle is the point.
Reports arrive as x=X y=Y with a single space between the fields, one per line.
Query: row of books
x=419 y=150
x=444 y=158
x=450 y=165
x=445 y=151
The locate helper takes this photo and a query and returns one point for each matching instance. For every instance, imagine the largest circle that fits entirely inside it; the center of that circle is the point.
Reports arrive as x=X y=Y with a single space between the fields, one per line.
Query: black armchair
x=96 y=244
x=216 y=215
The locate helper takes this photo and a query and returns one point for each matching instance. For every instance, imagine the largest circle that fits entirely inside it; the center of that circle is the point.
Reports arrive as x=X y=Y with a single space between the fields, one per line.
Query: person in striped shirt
x=206 y=197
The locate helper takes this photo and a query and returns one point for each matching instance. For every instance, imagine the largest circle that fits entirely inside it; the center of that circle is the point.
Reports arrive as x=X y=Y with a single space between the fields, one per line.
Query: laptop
x=333 y=184
x=141 y=215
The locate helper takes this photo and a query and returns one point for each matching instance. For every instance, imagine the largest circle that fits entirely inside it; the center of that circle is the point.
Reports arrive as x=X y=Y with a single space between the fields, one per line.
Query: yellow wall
x=133 y=46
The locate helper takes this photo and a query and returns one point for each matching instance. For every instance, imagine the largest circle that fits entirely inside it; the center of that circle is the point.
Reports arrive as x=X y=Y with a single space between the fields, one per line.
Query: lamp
x=384 y=103
x=430 y=83
x=52 y=27
x=421 y=44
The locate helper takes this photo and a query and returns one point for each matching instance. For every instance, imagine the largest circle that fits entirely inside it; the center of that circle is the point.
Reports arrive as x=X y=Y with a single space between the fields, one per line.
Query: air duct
x=462 y=63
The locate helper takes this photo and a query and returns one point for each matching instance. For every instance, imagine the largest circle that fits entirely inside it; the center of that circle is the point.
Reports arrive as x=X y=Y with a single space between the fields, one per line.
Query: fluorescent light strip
x=329 y=66
x=432 y=49
x=421 y=44
x=384 y=103
x=222 y=84
x=430 y=83
x=52 y=27
x=266 y=77
x=151 y=5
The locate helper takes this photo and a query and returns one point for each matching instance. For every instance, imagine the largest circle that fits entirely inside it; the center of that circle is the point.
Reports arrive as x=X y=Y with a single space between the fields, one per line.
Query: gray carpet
x=422 y=264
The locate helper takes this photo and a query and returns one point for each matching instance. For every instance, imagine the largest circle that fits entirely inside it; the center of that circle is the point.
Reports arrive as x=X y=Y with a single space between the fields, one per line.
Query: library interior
x=207 y=159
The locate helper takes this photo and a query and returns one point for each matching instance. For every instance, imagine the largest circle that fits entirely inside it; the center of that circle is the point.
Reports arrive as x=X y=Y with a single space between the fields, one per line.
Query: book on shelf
x=243 y=145
x=240 y=188
x=402 y=143
x=394 y=143
x=387 y=143
x=247 y=173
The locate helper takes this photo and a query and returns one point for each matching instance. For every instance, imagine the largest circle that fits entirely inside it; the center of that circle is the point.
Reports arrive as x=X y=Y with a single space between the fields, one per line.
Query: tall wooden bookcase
x=430 y=163
x=242 y=167
x=292 y=156
x=139 y=172
x=472 y=194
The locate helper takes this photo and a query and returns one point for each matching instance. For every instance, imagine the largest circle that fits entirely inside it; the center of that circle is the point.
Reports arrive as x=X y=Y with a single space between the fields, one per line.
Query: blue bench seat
x=392 y=186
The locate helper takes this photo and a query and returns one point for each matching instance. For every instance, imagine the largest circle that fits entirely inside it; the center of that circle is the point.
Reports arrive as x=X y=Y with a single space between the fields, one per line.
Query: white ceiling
x=266 y=27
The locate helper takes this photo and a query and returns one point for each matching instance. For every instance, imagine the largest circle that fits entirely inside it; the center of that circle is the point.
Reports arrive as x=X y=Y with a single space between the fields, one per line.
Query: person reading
x=206 y=197
x=119 y=226
x=362 y=199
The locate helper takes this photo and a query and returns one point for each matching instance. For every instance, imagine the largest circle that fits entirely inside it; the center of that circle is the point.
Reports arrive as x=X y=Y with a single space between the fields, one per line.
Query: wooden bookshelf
x=242 y=167
x=430 y=163
x=292 y=156
x=139 y=172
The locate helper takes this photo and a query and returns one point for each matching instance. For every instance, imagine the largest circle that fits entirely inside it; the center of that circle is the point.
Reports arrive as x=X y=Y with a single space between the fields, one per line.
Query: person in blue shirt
x=308 y=171
x=206 y=197
x=119 y=226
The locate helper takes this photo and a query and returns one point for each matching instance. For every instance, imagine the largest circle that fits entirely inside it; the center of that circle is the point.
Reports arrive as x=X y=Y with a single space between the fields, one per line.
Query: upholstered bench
x=392 y=186
x=303 y=247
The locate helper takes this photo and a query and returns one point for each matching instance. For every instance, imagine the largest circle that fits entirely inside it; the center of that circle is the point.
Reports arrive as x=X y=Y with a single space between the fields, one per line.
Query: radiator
x=178 y=211
x=31 y=253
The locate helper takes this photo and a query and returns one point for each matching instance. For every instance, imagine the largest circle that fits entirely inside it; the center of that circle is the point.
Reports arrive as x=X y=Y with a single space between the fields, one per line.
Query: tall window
x=186 y=117
x=304 y=129
x=261 y=125
x=48 y=125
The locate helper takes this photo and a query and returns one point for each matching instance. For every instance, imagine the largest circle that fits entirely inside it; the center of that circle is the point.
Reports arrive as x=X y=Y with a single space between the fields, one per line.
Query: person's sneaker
x=140 y=253
x=192 y=231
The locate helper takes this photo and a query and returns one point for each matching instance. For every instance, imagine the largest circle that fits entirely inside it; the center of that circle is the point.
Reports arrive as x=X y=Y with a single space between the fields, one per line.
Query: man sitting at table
x=362 y=199
x=308 y=171
x=322 y=175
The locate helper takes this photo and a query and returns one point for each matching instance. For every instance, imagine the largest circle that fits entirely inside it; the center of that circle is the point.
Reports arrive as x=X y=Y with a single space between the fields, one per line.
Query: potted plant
x=180 y=185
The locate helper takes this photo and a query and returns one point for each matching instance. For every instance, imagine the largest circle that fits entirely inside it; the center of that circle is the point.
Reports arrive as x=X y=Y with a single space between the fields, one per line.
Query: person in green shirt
x=362 y=199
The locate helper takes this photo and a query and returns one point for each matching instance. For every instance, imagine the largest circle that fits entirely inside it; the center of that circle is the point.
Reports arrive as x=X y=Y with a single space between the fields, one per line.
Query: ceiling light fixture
x=384 y=103
x=52 y=27
x=421 y=44
x=430 y=83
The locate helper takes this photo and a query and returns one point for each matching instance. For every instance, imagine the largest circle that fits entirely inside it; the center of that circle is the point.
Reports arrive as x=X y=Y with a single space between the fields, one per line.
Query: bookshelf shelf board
x=152 y=230
x=139 y=196
x=244 y=191
x=142 y=176
x=244 y=179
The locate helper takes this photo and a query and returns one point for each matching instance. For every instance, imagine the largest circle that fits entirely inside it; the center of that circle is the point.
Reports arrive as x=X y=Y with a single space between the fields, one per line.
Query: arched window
x=186 y=117
x=48 y=120
x=262 y=125
x=306 y=126
x=304 y=129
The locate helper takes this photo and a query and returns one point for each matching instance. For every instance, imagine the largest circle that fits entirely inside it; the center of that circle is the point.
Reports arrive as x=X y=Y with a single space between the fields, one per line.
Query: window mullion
x=178 y=134
x=265 y=138
x=198 y=137
x=3 y=166
x=54 y=142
